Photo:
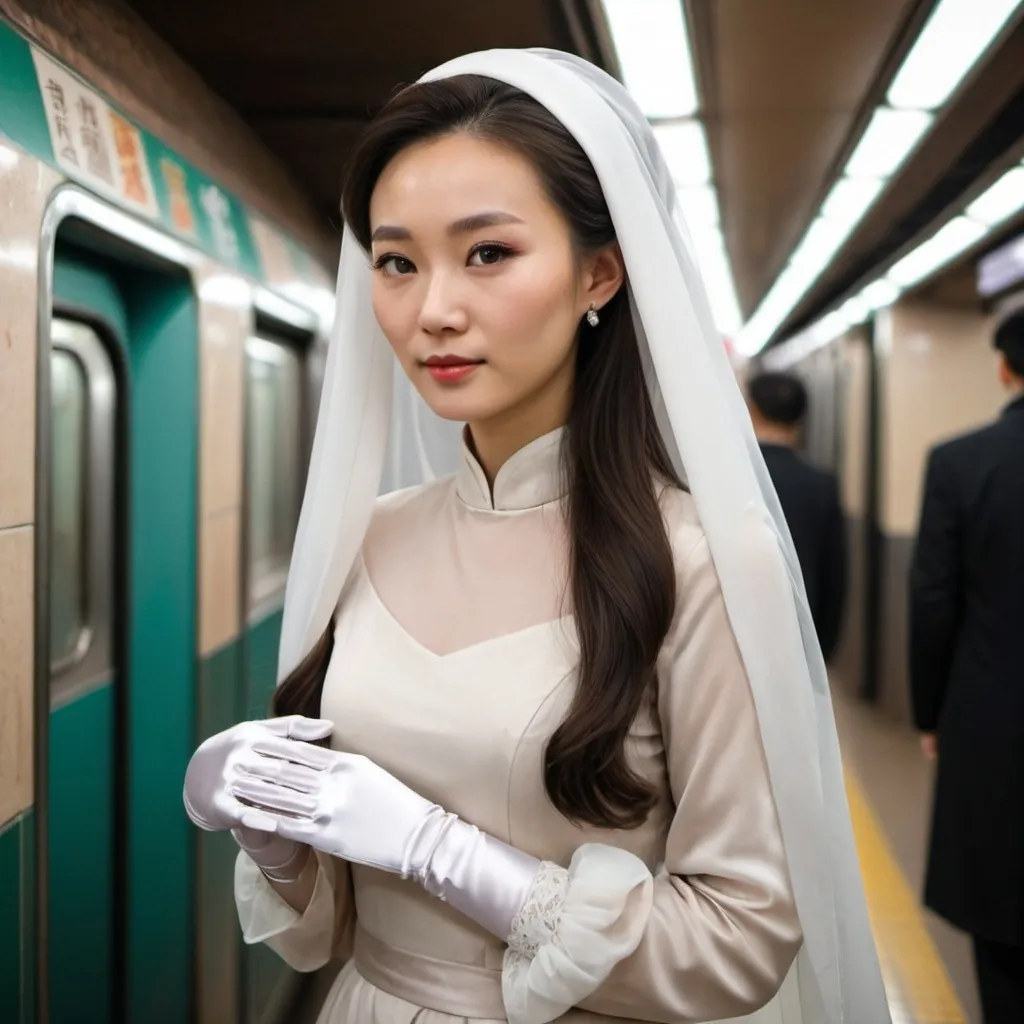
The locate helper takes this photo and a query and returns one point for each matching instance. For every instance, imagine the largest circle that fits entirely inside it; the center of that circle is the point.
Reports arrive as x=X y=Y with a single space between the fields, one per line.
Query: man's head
x=1009 y=341
x=778 y=403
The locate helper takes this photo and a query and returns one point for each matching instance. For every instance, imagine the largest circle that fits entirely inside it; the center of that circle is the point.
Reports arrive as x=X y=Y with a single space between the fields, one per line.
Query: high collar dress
x=455 y=660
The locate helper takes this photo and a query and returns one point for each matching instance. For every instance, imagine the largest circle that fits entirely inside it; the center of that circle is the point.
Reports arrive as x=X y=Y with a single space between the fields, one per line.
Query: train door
x=83 y=834
x=119 y=572
x=276 y=443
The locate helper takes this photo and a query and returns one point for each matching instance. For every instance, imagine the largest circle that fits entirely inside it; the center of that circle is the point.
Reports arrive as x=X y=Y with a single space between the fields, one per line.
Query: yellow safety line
x=916 y=981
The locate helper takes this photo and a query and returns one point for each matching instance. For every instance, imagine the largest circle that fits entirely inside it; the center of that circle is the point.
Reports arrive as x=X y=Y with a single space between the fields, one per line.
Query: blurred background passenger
x=809 y=497
x=967 y=683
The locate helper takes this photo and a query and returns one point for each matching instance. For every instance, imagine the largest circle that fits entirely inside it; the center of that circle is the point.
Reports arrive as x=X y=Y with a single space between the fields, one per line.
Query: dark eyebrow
x=390 y=233
x=482 y=220
x=394 y=233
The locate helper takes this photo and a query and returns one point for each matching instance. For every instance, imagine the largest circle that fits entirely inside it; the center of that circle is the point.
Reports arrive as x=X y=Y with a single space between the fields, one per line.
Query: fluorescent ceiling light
x=8 y=157
x=820 y=244
x=830 y=326
x=886 y=142
x=653 y=49
x=956 y=36
x=654 y=53
x=824 y=237
x=1001 y=200
x=685 y=147
x=879 y=294
x=699 y=206
x=948 y=242
x=854 y=311
x=789 y=286
x=850 y=199
x=950 y=44
x=713 y=261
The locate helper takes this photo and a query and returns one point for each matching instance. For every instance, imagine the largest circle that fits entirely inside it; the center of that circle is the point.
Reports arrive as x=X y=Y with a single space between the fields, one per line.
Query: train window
x=83 y=400
x=67 y=508
x=274 y=463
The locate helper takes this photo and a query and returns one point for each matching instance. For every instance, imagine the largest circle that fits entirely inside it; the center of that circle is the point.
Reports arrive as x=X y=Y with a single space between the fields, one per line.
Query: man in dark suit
x=809 y=498
x=967 y=684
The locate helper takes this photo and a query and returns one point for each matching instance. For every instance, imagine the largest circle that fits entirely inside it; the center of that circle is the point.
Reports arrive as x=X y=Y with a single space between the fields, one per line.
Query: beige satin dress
x=454 y=662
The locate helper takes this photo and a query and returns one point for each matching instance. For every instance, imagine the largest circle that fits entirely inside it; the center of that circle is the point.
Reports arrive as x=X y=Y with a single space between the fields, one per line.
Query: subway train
x=162 y=333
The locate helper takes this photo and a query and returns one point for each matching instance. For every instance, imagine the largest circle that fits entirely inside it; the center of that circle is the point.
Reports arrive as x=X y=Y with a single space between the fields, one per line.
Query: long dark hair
x=622 y=574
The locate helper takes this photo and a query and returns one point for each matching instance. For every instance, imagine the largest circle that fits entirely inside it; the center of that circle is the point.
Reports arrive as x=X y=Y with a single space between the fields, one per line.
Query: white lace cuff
x=537 y=921
x=304 y=941
x=574 y=927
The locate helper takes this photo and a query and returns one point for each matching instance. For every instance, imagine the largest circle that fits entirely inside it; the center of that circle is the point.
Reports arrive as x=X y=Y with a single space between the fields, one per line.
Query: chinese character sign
x=131 y=159
x=218 y=210
x=177 y=190
x=91 y=142
x=94 y=145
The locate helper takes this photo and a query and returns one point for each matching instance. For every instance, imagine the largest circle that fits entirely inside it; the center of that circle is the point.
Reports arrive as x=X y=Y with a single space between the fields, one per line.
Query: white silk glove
x=219 y=760
x=349 y=807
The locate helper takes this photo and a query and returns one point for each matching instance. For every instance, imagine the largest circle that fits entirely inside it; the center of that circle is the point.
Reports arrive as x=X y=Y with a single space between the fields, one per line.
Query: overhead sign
x=91 y=142
x=1002 y=268
x=50 y=112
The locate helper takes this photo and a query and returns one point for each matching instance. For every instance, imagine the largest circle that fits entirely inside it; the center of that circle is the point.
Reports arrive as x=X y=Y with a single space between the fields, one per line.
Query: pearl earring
x=592 y=318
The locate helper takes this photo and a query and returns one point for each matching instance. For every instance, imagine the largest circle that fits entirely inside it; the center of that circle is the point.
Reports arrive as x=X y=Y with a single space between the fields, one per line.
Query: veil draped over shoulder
x=373 y=427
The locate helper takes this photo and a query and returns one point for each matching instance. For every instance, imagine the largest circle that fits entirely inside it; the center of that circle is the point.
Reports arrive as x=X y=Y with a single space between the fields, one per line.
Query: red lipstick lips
x=451 y=369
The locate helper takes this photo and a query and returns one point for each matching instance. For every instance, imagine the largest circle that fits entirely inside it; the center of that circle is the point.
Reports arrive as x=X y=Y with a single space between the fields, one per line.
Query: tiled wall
x=225 y=321
x=939 y=378
x=24 y=187
x=854 y=423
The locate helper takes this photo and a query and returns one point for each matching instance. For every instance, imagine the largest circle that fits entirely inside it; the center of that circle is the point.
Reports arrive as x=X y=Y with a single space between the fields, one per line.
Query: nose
x=442 y=308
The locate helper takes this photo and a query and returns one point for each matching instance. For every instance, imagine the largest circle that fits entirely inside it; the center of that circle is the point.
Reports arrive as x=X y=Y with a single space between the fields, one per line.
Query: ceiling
x=978 y=136
x=783 y=83
x=785 y=87
x=306 y=75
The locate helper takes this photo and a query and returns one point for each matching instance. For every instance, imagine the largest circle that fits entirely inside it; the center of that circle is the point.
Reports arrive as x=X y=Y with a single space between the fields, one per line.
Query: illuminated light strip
x=654 y=53
x=653 y=48
x=952 y=42
x=979 y=220
x=916 y=982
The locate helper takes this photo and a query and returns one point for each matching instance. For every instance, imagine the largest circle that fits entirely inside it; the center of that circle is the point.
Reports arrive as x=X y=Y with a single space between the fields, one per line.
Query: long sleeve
x=936 y=593
x=304 y=941
x=832 y=585
x=715 y=932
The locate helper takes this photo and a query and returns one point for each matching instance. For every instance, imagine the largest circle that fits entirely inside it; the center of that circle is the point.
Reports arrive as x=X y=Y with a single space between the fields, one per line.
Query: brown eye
x=488 y=255
x=394 y=266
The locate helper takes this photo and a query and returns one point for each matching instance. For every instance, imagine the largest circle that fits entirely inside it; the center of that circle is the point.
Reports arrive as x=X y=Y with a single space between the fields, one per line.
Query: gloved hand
x=207 y=794
x=349 y=807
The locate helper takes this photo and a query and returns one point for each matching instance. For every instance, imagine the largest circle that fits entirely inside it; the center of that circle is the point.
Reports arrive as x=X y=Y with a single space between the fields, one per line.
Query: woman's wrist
x=292 y=869
x=281 y=860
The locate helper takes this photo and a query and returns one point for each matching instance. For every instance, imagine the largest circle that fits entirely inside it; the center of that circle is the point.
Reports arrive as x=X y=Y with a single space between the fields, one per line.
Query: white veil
x=707 y=430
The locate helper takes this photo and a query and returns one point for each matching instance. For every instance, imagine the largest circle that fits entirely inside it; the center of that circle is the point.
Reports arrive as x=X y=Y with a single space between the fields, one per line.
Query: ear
x=602 y=276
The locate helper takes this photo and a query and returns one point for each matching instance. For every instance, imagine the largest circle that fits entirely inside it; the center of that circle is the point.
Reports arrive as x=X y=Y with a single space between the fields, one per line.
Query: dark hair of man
x=779 y=397
x=1009 y=340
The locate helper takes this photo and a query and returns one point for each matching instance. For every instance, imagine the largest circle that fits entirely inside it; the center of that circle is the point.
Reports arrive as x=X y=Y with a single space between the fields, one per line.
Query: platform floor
x=927 y=964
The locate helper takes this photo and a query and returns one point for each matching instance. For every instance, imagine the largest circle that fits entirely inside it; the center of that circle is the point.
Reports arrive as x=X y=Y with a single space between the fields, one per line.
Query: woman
x=582 y=765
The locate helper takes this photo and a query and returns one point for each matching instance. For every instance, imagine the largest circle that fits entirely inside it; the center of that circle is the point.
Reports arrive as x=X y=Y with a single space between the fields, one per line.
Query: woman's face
x=476 y=285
